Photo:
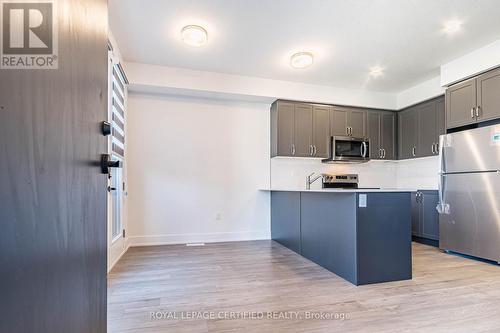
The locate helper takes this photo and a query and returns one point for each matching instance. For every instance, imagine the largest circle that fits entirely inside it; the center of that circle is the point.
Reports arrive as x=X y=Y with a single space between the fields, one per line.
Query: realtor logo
x=29 y=35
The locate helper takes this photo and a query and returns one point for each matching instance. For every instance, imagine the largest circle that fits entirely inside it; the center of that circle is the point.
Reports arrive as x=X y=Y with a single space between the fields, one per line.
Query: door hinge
x=123 y=232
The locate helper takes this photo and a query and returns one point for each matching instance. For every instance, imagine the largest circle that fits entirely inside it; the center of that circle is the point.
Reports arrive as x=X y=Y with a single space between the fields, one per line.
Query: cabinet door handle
x=384 y=154
x=432 y=148
x=477 y=111
x=293 y=150
x=413 y=151
x=472 y=113
x=437 y=148
x=380 y=152
x=311 y=149
x=315 y=150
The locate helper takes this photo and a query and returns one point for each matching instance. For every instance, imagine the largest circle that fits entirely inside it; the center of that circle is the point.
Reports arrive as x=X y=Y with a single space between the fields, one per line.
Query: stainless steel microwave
x=346 y=149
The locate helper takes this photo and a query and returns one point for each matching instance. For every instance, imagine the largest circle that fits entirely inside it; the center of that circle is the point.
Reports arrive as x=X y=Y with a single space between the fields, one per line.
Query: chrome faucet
x=310 y=180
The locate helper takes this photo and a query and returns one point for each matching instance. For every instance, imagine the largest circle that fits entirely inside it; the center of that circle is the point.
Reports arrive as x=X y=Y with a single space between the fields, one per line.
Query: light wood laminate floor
x=448 y=293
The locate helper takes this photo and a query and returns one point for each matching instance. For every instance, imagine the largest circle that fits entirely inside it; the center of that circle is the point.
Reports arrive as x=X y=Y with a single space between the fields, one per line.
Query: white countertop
x=335 y=190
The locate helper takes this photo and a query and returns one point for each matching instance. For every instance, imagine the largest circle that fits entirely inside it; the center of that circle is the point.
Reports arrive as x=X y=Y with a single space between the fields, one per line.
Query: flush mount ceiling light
x=301 y=60
x=194 y=35
x=376 y=71
x=452 y=26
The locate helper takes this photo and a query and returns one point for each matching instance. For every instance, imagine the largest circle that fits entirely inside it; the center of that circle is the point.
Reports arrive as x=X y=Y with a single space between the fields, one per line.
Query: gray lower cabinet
x=327 y=227
x=362 y=243
x=285 y=215
x=473 y=101
x=419 y=129
x=425 y=218
x=381 y=129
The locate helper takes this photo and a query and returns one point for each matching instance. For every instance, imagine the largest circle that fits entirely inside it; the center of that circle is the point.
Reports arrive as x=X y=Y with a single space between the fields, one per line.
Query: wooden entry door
x=52 y=194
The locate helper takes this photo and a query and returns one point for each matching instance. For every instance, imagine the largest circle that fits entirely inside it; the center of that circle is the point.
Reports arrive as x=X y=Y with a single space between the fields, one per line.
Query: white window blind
x=118 y=107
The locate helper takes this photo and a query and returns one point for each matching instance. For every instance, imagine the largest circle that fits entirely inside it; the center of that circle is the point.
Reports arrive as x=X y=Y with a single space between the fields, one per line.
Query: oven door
x=349 y=149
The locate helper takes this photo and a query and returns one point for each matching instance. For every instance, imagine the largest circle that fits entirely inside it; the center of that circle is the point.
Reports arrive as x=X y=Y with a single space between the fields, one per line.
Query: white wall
x=471 y=64
x=161 y=79
x=195 y=167
x=421 y=92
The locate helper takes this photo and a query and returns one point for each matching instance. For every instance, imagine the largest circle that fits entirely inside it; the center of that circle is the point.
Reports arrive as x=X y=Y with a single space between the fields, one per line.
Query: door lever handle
x=107 y=163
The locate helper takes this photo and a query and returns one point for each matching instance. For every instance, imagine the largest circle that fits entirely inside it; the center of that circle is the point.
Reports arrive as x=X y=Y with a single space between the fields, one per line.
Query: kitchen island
x=364 y=236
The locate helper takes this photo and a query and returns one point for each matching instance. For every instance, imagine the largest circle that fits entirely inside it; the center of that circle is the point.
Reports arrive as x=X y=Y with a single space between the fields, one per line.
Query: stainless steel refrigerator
x=469 y=192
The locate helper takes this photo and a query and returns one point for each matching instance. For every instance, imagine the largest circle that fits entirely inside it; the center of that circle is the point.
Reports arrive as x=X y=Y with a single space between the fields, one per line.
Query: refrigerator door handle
x=442 y=207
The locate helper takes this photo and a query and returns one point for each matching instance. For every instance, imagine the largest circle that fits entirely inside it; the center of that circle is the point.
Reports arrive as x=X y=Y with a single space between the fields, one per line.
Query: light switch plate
x=362 y=200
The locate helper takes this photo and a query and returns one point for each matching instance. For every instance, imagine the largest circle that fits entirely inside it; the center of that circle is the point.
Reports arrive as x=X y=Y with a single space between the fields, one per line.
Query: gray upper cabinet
x=282 y=129
x=320 y=130
x=441 y=118
x=488 y=96
x=407 y=121
x=303 y=130
x=348 y=122
x=388 y=136
x=427 y=129
x=338 y=121
x=356 y=120
x=299 y=129
x=419 y=129
x=373 y=131
x=460 y=104
x=381 y=129
x=475 y=100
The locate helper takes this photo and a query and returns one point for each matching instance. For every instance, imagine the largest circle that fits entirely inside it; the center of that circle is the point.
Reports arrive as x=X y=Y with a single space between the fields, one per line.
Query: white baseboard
x=216 y=237
x=127 y=246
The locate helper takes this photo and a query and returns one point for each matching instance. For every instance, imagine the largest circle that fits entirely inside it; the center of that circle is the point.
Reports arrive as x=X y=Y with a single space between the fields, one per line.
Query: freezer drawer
x=471 y=151
x=471 y=224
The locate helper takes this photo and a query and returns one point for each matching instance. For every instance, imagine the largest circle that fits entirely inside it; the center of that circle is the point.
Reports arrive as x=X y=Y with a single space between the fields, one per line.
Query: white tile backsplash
x=421 y=173
x=290 y=173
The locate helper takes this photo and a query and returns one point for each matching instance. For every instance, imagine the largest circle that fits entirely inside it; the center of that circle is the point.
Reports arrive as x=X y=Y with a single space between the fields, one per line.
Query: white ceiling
x=257 y=37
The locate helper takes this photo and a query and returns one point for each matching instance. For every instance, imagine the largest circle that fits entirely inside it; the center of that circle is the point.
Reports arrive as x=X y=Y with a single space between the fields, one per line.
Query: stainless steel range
x=340 y=181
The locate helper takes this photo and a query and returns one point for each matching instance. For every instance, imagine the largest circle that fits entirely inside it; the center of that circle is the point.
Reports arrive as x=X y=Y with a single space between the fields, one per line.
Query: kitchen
x=271 y=142
x=255 y=166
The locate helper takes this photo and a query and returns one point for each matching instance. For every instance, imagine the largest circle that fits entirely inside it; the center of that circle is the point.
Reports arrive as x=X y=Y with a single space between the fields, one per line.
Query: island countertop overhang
x=333 y=190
